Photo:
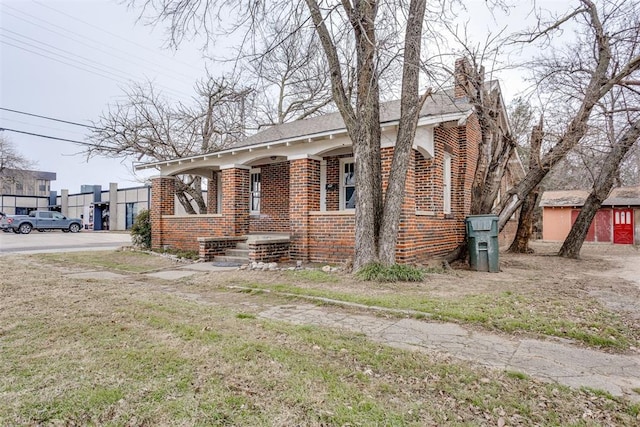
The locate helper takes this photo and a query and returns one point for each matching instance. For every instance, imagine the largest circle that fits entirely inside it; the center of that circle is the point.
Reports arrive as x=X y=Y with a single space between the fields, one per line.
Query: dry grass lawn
x=134 y=350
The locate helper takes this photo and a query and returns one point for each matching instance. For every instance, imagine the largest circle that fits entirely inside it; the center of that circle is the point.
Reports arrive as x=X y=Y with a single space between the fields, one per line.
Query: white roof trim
x=425 y=121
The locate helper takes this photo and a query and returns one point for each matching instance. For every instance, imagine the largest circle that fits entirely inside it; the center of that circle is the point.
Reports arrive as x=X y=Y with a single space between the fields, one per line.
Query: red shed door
x=603 y=225
x=623 y=226
x=591 y=234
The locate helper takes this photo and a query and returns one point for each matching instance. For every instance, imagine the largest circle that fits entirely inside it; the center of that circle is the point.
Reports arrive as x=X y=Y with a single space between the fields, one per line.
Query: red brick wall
x=162 y=203
x=235 y=202
x=331 y=236
x=305 y=197
x=182 y=232
x=274 y=200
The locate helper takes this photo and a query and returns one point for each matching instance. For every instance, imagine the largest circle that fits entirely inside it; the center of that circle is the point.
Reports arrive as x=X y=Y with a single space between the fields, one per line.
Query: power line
x=48 y=118
x=80 y=64
x=98 y=45
x=50 y=137
x=48 y=128
x=115 y=35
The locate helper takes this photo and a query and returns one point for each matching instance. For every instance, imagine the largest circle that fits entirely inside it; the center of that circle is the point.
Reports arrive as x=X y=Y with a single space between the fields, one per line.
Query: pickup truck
x=41 y=221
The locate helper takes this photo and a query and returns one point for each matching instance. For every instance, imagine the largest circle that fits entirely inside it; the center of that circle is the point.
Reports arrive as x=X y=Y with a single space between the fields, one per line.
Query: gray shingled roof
x=621 y=196
x=564 y=198
x=438 y=104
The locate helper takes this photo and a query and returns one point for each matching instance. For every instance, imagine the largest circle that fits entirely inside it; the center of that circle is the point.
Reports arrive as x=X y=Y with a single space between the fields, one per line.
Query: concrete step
x=237 y=253
x=242 y=245
x=231 y=259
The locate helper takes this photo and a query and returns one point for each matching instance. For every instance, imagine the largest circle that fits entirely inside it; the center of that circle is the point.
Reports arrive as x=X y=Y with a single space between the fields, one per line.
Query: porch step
x=243 y=253
x=231 y=259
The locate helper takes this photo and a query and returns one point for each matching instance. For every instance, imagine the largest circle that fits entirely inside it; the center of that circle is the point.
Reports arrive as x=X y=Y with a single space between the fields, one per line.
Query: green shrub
x=394 y=273
x=141 y=230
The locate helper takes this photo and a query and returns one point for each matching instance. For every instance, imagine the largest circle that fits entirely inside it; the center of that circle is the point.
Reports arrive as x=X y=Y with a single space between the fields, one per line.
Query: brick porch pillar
x=212 y=193
x=304 y=197
x=235 y=199
x=407 y=229
x=163 y=190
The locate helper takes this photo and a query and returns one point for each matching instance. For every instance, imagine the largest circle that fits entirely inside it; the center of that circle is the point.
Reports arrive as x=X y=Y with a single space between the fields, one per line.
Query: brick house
x=286 y=193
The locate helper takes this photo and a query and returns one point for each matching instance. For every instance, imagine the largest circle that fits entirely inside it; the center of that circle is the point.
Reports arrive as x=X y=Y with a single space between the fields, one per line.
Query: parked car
x=41 y=221
x=4 y=225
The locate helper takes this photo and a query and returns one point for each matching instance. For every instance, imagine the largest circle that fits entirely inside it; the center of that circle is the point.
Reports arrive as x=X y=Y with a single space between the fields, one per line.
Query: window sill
x=345 y=212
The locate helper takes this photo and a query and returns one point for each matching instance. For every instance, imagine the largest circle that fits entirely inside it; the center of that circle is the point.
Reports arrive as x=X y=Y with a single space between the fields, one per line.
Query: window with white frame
x=254 y=199
x=446 y=183
x=347 y=184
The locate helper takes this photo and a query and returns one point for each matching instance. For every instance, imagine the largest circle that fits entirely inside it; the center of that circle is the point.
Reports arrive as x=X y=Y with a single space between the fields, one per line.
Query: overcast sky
x=69 y=59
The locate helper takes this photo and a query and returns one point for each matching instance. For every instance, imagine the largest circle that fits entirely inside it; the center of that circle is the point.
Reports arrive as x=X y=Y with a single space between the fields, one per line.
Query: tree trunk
x=520 y=242
x=187 y=192
x=601 y=188
x=366 y=146
x=410 y=106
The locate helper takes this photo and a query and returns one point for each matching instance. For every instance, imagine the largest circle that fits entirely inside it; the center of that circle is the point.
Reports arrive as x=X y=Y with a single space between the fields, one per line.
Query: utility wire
x=116 y=36
x=114 y=78
x=48 y=128
x=98 y=45
x=50 y=137
x=48 y=118
x=81 y=63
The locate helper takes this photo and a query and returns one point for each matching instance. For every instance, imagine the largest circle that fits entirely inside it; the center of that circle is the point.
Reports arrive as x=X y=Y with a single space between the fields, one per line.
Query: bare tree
x=13 y=165
x=521 y=239
x=290 y=78
x=10 y=158
x=606 y=54
x=147 y=126
x=623 y=133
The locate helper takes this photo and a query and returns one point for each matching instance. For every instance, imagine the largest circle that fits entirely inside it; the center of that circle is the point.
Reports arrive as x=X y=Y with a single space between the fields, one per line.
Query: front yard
x=135 y=350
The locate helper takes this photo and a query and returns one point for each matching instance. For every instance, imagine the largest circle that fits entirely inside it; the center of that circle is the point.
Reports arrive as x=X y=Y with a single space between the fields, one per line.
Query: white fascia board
x=236 y=150
x=425 y=121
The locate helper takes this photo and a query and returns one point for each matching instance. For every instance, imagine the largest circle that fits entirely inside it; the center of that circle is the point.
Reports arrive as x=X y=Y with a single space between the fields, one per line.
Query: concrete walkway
x=552 y=360
x=548 y=360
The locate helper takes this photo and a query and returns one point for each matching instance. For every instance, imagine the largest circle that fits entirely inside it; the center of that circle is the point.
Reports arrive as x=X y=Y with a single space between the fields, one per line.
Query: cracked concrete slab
x=207 y=267
x=546 y=360
x=171 y=274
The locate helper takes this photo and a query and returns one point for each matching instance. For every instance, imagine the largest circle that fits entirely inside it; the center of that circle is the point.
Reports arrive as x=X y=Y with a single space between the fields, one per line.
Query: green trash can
x=482 y=236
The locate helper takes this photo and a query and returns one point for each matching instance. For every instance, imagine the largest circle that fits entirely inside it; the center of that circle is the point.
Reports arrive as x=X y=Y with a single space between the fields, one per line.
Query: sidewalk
x=552 y=359
x=547 y=360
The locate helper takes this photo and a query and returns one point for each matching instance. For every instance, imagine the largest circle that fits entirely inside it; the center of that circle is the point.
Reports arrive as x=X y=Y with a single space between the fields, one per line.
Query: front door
x=623 y=226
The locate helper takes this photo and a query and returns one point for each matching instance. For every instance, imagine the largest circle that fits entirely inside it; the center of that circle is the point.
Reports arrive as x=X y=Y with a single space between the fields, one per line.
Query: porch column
x=163 y=192
x=407 y=231
x=235 y=199
x=212 y=193
x=304 y=197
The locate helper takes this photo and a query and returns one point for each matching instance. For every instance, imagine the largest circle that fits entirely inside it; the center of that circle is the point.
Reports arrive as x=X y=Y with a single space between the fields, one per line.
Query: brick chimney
x=461 y=74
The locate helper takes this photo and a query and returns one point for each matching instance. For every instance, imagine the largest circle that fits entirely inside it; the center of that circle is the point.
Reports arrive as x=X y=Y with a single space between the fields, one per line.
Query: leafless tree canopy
x=12 y=163
x=149 y=127
x=573 y=74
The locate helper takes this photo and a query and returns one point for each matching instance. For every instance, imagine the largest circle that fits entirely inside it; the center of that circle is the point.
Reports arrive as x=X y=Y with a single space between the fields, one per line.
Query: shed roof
x=564 y=198
x=620 y=196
